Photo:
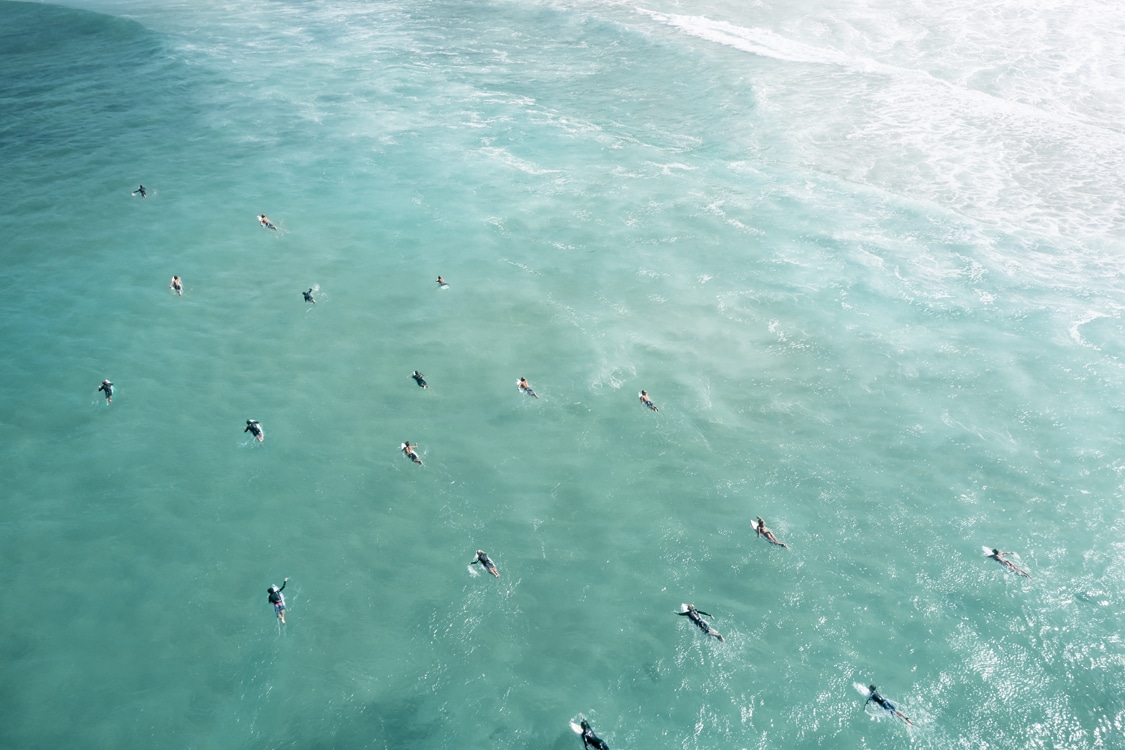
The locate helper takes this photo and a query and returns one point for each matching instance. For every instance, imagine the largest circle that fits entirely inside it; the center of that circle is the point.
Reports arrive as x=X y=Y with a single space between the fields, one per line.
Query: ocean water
x=864 y=255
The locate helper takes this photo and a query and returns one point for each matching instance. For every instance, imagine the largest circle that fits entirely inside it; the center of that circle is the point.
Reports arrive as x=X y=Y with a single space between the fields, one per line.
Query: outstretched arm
x=700 y=611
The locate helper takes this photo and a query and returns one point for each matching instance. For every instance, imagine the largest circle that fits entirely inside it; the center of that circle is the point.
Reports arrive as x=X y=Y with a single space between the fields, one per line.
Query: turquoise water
x=864 y=256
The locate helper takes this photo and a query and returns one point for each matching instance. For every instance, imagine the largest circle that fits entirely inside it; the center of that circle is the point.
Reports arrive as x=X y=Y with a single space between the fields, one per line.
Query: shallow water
x=863 y=257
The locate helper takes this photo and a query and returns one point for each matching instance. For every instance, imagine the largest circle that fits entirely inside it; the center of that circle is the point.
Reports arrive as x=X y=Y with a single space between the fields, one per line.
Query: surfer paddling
x=696 y=616
x=420 y=379
x=255 y=429
x=525 y=388
x=488 y=565
x=998 y=556
x=308 y=296
x=589 y=739
x=760 y=527
x=176 y=285
x=277 y=599
x=647 y=401
x=266 y=223
x=108 y=388
x=885 y=704
x=140 y=191
x=409 y=452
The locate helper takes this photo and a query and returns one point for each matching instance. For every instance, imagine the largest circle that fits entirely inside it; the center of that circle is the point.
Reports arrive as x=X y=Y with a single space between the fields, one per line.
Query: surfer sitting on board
x=885 y=704
x=176 y=285
x=140 y=189
x=255 y=429
x=308 y=296
x=108 y=388
x=266 y=222
x=524 y=387
x=693 y=614
x=408 y=451
x=760 y=527
x=998 y=556
x=420 y=379
x=589 y=739
x=483 y=559
x=441 y=281
x=648 y=401
x=278 y=600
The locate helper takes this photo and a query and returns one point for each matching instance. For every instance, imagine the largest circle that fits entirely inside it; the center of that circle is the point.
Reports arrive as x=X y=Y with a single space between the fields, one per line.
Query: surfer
x=523 y=386
x=648 y=401
x=266 y=222
x=108 y=388
x=998 y=556
x=760 y=527
x=277 y=599
x=408 y=451
x=441 y=281
x=885 y=704
x=255 y=429
x=308 y=296
x=483 y=559
x=589 y=739
x=420 y=380
x=695 y=615
x=176 y=285
x=141 y=190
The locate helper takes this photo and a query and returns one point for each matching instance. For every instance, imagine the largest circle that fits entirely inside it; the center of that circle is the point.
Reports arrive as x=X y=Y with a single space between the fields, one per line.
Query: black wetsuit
x=276 y=599
x=420 y=380
x=886 y=705
x=695 y=616
x=490 y=566
x=589 y=739
x=309 y=297
x=108 y=388
x=141 y=189
x=254 y=429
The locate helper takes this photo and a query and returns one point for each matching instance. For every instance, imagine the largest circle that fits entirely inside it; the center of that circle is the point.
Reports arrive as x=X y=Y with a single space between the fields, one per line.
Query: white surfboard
x=986 y=550
x=575 y=726
x=862 y=689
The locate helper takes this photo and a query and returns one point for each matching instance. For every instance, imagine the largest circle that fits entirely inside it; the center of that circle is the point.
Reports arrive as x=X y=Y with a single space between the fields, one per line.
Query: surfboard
x=683 y=607
x=986 y=550
x=862 y=689
x=576 y=727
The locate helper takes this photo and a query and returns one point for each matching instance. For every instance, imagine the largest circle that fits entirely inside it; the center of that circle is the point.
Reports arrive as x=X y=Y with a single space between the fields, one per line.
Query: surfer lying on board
x=176 y=285
x=308 y=296
x=278 y=600
x=255 y=429
x=408 y=451
x=998 y=556
x=108 y=388
x=266 y=222
x=648 y=401
x=693 y=614
x=760 y=527
x=524 y=387
x=141 y=190
x=482 y=558
x=589 y=739
x=420 y=379
x=885 y=704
